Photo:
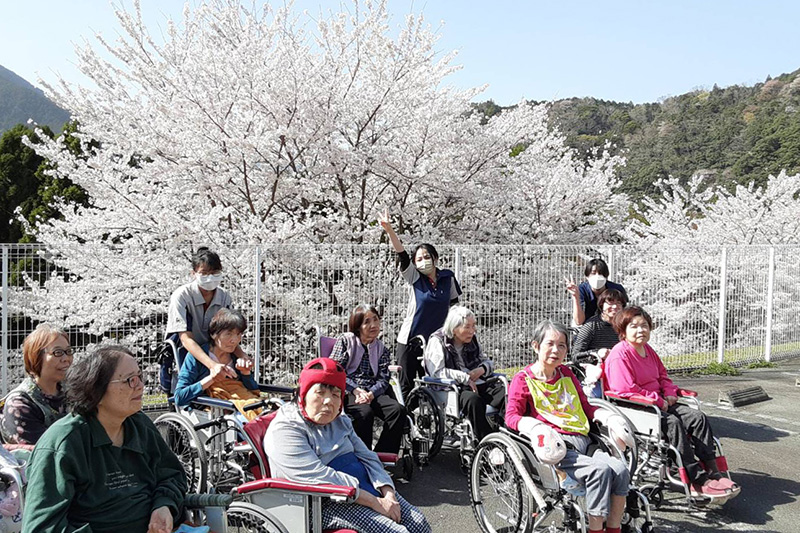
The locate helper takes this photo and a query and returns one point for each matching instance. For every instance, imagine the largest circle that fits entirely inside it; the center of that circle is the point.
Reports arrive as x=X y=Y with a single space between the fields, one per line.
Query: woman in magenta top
x=633 y=368
x=547 y=404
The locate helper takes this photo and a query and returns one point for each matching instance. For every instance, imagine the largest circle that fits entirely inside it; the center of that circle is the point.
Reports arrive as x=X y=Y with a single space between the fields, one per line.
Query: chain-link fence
x=720 y=304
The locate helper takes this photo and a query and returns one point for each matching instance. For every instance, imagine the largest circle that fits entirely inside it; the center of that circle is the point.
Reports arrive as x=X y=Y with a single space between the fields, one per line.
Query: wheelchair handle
x=210 y=424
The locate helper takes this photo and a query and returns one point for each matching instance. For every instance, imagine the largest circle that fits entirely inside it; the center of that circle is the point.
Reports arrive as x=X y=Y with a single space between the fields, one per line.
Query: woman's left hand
x=390 y=506
x=671 y=400
x=160 y=521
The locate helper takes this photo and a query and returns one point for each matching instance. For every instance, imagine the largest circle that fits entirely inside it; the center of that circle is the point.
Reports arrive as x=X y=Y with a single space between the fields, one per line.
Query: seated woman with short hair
x=37 y=402
x=104 y=468
x=226 y=330
x=366 y=361
x=453 y=353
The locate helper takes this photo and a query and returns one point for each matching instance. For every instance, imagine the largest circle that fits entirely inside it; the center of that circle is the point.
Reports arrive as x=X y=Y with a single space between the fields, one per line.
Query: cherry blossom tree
x=263 y=125
x=677 y=263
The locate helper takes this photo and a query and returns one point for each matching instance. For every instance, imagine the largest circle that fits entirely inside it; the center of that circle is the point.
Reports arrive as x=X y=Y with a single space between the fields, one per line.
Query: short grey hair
x=457 y=316
x=548 y=325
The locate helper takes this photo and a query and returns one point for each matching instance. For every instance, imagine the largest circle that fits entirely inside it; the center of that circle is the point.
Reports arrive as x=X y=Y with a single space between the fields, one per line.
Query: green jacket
x=79 y=482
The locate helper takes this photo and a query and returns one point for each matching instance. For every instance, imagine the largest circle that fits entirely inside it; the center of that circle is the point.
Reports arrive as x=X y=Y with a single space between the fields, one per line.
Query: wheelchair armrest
x=208 y=401
x=12 y=447
x=276 y=389
x=635 y=398
x=387 y=458
x=200 y=501
x=333 y=491
x=439 y=381
x=686 y=393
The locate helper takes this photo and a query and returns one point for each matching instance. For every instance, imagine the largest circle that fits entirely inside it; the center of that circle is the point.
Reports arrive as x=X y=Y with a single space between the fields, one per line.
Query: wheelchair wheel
x=245 y=517
x=182 y=439
x=500 y=500
x=428 y=419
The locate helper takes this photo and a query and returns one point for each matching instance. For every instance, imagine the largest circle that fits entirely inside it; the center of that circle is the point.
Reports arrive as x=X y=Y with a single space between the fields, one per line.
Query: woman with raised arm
x=431 y=292
x=634 y=368
x=585 y=295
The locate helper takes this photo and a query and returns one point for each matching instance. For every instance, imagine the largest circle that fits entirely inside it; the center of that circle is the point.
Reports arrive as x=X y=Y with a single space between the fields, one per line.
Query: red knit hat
x=331 y=373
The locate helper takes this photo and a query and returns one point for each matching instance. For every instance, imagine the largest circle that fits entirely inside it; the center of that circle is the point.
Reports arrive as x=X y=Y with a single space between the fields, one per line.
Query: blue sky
x=635 y=51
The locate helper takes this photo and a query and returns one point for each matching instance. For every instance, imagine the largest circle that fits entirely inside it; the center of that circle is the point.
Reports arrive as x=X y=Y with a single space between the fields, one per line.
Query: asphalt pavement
x=761 y=442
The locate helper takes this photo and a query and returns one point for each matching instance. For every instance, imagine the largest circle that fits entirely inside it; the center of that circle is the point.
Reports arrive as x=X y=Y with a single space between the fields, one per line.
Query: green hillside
x=734 y=135
x=20 y=101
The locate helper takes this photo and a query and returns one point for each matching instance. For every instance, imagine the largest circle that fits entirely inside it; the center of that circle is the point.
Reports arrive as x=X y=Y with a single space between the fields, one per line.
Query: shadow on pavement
x=761 y=494
x=727 y=428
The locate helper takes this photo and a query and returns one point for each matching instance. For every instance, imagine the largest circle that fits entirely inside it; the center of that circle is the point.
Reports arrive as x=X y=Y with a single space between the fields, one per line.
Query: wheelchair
x=511 y=491
x=660 y=467
x=433 y=404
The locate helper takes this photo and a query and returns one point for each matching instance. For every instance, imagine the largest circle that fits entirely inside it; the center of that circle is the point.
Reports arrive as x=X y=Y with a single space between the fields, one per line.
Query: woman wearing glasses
x=104 y=467
x=38 y=401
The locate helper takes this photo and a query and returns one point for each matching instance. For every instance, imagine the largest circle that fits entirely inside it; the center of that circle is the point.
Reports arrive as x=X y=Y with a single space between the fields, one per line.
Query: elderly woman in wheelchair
x=637 y=379
x=309 y=442
x=547 y=405
x=225 y=330
x=453 y=353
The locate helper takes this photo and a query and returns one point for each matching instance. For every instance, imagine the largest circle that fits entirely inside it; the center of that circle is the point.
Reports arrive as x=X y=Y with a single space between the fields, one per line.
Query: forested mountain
x=734 y=135
x=20 y=101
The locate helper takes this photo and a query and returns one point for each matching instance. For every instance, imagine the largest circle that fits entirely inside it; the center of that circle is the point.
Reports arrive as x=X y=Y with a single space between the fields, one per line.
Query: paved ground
x=761 y=441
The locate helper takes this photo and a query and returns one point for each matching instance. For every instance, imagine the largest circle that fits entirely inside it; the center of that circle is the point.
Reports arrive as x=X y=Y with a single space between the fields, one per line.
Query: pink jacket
x=628 y=373
x=520 y=402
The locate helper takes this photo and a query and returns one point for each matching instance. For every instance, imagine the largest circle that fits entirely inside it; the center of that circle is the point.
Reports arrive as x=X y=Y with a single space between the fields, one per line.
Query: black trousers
x=386 y=408
x=690 y=432
x=473 y=405
x=408 y=358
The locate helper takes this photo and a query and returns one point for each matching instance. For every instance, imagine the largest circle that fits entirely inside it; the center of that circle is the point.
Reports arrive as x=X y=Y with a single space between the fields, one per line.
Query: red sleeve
x=621 y=377
x=519 y=401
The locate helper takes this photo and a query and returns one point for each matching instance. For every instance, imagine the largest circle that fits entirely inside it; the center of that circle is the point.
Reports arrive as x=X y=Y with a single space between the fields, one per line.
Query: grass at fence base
x=697 y=363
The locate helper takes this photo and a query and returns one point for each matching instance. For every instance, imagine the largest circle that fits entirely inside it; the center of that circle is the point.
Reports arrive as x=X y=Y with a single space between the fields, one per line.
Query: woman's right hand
x=389 y=507
x=383 y=220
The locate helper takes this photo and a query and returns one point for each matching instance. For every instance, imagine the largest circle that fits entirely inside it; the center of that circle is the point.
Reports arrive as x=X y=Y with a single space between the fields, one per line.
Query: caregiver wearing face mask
x=431 y=292
x=191 y=308
x=586 y=295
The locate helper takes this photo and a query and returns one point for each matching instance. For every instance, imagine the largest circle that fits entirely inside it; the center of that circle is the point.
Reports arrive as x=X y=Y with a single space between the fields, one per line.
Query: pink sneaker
x=709 y=488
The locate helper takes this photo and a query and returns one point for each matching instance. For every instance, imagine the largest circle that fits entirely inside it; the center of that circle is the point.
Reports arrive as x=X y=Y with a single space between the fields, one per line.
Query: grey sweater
x=299 y=450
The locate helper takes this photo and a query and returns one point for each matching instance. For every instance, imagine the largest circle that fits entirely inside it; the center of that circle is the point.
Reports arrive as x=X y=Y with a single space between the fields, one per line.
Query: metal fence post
x=723 y=291
x=257 y=309
x=457 y=266
x=5 y=321
x=612 y=265
x=770 y=288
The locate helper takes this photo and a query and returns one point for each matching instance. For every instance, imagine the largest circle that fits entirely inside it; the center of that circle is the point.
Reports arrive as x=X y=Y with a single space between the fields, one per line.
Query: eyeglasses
x=132 y=381
x=59 y=353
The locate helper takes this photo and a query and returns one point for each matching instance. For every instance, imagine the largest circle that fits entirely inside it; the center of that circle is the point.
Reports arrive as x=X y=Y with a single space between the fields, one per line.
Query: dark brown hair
x=358 y=315
x=611 y=294
x=88 y=378
x=626 y=316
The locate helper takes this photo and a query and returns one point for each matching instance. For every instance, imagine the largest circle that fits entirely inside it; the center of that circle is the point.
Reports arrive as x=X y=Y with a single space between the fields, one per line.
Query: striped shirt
x=594 y=334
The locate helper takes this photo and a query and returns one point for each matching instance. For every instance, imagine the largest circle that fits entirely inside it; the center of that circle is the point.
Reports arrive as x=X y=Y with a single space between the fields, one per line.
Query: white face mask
x=208 y=282
x=597 y=282
x=426 y=266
